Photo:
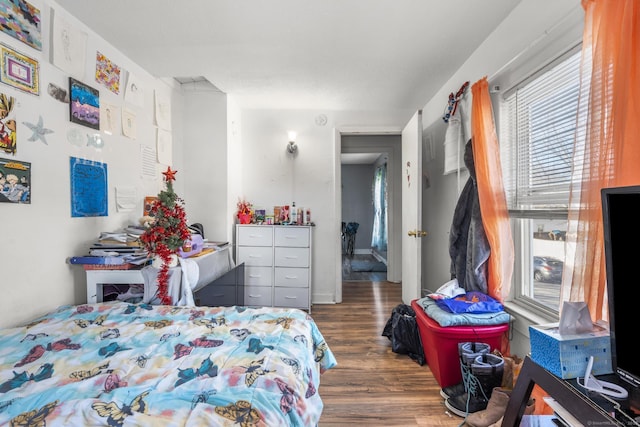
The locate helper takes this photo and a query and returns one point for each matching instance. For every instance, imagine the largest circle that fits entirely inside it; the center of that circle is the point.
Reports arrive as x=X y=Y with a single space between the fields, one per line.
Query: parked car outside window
x=547 y=269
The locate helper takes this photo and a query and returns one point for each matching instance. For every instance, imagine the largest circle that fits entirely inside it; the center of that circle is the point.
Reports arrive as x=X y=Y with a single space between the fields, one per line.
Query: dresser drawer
x=255 y=235
x=291 y=257
x=292 y=236
x=258 y=276
x=255 y=255
x=291 y=297
x=258 y=296
x=292 y=277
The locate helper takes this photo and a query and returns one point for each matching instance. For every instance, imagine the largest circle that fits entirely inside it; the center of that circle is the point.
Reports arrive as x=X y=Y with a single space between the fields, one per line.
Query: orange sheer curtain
x=493 y=204
x=609 y=120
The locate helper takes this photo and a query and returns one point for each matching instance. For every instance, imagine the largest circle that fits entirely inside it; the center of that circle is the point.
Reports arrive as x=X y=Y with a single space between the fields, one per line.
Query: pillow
x=444 y=318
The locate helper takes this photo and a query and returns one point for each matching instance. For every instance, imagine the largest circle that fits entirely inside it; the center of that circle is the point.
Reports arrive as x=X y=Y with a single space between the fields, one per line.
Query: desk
x=576 y=403
x=211 y=266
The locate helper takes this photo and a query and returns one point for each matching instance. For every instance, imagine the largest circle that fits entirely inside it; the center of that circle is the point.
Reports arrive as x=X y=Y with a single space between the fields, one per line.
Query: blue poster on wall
x=88 y=188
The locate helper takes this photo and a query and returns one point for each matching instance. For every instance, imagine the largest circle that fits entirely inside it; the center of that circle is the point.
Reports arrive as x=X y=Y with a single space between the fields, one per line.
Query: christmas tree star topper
x=169 y=175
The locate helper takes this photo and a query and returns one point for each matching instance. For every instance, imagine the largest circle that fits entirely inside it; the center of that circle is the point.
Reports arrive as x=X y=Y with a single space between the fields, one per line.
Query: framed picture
x=15 y=181
x=85 y=104
x=21 y=20
x=19 y=70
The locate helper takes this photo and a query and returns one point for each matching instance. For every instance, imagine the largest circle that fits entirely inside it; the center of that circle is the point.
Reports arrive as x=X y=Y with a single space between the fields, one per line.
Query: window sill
x=525 y=316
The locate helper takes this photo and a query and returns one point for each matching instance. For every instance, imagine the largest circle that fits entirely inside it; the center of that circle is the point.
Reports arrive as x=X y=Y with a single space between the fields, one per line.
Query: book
x=148 y=204
x=88 y=259
x=216 y=245
x=116 y=243
x=106 y=250
x=125 y=266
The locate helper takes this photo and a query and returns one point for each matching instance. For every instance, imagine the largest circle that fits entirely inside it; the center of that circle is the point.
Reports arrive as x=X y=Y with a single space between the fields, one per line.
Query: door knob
x=416 y=233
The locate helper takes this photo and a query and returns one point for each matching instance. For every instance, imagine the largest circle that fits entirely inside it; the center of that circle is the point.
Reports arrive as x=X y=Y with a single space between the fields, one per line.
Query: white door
x=412 y=232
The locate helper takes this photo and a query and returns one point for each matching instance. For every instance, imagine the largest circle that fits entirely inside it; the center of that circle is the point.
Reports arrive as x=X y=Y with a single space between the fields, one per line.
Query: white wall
x=37 y=238
x=205 y=161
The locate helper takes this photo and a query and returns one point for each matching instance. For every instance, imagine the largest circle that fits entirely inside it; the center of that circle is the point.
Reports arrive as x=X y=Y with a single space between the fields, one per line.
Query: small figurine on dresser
x=244 y=213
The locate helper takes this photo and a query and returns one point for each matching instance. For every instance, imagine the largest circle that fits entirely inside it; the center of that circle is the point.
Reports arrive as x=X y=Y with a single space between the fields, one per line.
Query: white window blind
x=538 y=139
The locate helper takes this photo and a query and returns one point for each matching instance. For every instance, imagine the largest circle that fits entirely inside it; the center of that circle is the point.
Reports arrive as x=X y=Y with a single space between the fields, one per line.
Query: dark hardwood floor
x=371 y=385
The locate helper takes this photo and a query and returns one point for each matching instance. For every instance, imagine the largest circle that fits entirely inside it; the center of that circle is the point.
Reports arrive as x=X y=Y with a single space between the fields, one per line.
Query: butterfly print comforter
x=119 y=364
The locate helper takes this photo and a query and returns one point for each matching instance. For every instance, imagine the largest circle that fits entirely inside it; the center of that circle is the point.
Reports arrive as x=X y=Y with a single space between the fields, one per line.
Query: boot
x=507 y=376
x=528 y=410
x=495 y=409
x=510 y=364
x=468 y=351
x=486 y=374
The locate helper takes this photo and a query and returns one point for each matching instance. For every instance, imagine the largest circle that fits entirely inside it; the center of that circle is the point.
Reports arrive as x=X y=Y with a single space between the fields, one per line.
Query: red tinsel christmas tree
x=167 y=233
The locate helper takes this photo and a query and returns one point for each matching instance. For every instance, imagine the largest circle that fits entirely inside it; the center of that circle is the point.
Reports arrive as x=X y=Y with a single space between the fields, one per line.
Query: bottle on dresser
x=300 y=216
x=294 y=214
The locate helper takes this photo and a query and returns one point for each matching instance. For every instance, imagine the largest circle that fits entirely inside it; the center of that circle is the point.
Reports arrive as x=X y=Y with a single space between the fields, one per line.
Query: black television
x=621 y=226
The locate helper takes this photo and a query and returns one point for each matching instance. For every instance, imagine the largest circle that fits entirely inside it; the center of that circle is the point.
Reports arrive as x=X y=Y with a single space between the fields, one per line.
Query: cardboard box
x=566 y=356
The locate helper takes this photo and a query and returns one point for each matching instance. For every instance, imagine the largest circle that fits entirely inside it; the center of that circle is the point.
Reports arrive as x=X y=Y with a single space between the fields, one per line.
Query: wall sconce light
x=291 y=146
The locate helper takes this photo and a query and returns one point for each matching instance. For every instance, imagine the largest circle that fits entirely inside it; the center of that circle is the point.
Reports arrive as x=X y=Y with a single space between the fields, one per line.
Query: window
x=379 y=190
x=538 y=119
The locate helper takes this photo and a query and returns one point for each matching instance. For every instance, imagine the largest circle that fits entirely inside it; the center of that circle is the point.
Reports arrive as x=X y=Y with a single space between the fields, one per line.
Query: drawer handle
x=254 y=296
x=291 y=257
x=290 y=277
x=255 y=256
x=255 y=276
x=290 y=297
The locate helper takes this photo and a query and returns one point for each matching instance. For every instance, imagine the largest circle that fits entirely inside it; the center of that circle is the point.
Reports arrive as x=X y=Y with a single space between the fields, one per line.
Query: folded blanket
x=444 y=318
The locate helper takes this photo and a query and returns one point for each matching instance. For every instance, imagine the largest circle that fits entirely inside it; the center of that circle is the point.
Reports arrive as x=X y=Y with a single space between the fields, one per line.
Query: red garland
x=163 y=280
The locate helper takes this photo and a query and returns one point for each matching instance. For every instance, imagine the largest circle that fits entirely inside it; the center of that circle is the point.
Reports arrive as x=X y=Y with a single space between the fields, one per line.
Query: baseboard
x=379 y=257
x=323 y=299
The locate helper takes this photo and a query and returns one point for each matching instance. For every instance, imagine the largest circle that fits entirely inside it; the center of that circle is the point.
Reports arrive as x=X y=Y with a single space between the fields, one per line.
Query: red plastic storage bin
x=440 y=344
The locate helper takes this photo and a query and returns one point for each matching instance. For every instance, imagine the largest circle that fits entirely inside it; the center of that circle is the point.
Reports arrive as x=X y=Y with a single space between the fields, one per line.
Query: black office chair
x=350 y=231
x=197 y=228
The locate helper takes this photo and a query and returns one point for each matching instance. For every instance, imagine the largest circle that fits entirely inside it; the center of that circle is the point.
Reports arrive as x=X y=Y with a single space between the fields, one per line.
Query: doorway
x=361 y=154
x=364 y=216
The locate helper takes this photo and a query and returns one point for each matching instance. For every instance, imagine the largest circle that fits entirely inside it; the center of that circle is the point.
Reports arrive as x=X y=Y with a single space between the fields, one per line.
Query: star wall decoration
x=39 y=131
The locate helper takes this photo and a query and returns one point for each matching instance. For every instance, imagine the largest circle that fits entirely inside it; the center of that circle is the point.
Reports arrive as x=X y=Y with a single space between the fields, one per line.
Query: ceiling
x=366 y=55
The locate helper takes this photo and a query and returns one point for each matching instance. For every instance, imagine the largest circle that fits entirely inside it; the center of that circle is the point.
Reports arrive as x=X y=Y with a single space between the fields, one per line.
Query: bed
x=119 y=364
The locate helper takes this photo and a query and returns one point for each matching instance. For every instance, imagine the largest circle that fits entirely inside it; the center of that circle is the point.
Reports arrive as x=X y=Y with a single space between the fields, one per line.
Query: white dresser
x=277 y=262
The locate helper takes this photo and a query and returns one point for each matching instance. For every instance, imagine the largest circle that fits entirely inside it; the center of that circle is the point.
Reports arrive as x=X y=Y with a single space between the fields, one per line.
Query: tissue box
x=566 y=356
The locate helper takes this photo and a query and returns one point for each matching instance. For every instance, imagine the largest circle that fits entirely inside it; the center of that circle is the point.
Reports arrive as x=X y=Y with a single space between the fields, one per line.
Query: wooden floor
x=371 y=385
